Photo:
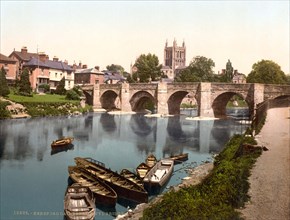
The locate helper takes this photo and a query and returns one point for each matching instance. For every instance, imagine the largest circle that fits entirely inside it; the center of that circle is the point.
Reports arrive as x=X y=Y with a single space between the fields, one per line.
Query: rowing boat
x=159 y=174
x=62 y=142
x=79 y=203
x=142 y=169
x=151 y=160
x=179 y=158
x=124 y=187
x=131 y=176
x=104 y=194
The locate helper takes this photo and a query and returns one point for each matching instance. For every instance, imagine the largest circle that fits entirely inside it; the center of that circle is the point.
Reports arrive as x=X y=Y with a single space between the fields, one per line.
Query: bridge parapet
x=110 y=86
x=143 y=86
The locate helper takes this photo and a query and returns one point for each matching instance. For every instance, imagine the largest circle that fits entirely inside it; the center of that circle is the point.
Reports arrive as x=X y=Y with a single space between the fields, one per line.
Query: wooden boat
x=142 y=169
x=79 y=203
x=62 y=142
x=56 y=150
x=151 y=160
x=131 y=176
x=124 y=187
x=160 y=173
x=179 y=158
x=104 y=194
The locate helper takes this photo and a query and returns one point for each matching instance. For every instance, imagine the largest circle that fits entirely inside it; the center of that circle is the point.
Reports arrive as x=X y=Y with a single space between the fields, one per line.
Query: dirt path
x=270 y=178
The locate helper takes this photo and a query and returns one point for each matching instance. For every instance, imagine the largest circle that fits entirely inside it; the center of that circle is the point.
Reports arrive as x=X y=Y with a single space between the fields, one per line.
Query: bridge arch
x=174 y=102
x=219 y=104
x=109 y=100
x=139 y=99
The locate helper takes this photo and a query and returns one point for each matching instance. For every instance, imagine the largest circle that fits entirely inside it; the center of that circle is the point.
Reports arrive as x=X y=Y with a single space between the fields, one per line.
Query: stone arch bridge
x=211 y=98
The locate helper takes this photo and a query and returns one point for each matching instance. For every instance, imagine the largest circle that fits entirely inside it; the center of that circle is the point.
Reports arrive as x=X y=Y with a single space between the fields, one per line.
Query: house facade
x=10 y=68
x=45 y=71
x=88 y=76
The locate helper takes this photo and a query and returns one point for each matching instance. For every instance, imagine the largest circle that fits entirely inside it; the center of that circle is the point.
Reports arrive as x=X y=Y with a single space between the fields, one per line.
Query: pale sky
x=117 y=32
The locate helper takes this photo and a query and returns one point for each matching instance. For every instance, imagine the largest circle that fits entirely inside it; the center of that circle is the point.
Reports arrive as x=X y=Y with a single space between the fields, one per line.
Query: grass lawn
x=39 y=98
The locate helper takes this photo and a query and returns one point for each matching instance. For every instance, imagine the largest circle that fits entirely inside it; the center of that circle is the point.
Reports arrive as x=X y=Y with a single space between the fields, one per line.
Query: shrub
x=4 y=113
x=72 y=95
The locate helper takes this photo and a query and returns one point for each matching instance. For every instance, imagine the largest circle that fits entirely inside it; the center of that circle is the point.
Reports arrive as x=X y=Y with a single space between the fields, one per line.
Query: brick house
x=45 y=71
x=21 y=58
x=9 y=66
x=88 y=76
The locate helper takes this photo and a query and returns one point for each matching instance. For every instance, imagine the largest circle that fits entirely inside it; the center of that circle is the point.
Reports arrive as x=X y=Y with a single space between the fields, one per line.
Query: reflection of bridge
x=211 y=98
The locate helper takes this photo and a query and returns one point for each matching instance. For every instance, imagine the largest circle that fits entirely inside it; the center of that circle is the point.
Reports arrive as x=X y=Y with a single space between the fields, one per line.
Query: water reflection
x=26 y=156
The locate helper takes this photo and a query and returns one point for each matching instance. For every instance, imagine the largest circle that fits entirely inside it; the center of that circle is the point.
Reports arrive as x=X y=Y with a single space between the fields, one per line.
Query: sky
x=101 y=33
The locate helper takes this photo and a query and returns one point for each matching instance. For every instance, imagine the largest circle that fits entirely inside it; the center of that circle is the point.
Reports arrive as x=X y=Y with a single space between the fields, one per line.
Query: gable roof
x=57 y=65
x=90 y=70
x=24 y=56
x=6 y=59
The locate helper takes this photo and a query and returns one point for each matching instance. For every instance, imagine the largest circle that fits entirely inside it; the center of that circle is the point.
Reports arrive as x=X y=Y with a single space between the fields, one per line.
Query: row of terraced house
x=42 y=70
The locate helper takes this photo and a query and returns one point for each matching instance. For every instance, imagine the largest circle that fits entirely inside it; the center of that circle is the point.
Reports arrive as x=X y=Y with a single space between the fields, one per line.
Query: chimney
x=46 y=57
x=24 y=50
x=97 y=68
x=55 y=58
x=66 y=62
x=85 y=66
x=42 y=56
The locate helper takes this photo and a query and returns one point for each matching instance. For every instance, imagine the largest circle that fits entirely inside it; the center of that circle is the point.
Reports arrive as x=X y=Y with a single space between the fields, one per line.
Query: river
x=34 y=178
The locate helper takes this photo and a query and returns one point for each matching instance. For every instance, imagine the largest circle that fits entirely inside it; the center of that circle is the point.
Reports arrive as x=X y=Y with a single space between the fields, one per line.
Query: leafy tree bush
x=4 y=113
x=4 y=89
x=267 y=71
x=45 y=87
x=60 y=88
x=148 y=68
x=24 y=84
x=72 y=95
x=199 y=70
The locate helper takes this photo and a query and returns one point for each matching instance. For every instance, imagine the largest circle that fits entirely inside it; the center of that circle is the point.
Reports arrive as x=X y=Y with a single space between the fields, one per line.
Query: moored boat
x=79 y=203
x=65 y=141
x=104 y=194
x=131 y=176
x=124 y=187
x=142 y=169
x=160 y=173
x=179 y=158
x=151 y=160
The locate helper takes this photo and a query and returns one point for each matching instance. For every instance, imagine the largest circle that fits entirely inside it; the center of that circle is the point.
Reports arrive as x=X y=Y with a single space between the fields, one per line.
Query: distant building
x=113 y=77
x=239 y=77
x=86 y=75
x=174 y=59
x=9 y=66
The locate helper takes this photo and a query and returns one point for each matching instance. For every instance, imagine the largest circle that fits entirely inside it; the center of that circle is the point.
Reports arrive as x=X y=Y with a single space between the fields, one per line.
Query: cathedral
x=174 y=59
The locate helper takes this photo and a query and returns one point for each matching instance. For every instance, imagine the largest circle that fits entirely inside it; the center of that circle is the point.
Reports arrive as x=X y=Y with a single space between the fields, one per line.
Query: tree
x=148 y=68
x=229 y=71
x=199 y=70
x=24 y=83
x=266 y=71
x=4 y=89
x=115 y=68
x=60 y=87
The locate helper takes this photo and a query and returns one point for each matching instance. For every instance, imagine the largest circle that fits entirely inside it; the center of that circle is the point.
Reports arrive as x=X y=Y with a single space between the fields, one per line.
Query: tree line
x=148 y=69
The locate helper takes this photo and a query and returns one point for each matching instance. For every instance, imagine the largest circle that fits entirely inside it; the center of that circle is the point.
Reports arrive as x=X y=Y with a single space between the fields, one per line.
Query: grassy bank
x=220 y=194
x=44 y=105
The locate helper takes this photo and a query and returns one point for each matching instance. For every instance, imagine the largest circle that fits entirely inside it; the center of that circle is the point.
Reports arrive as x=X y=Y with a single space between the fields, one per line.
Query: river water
x=34 y=179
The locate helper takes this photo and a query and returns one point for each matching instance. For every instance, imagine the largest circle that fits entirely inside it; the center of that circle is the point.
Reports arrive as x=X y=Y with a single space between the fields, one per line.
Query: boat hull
x=160 y=174
x=101 y=198
x=124 y=187
x=79 y=203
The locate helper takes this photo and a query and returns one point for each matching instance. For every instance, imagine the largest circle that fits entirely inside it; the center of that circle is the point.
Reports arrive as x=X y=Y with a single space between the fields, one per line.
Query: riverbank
x=196 y=175
x=270 y=180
